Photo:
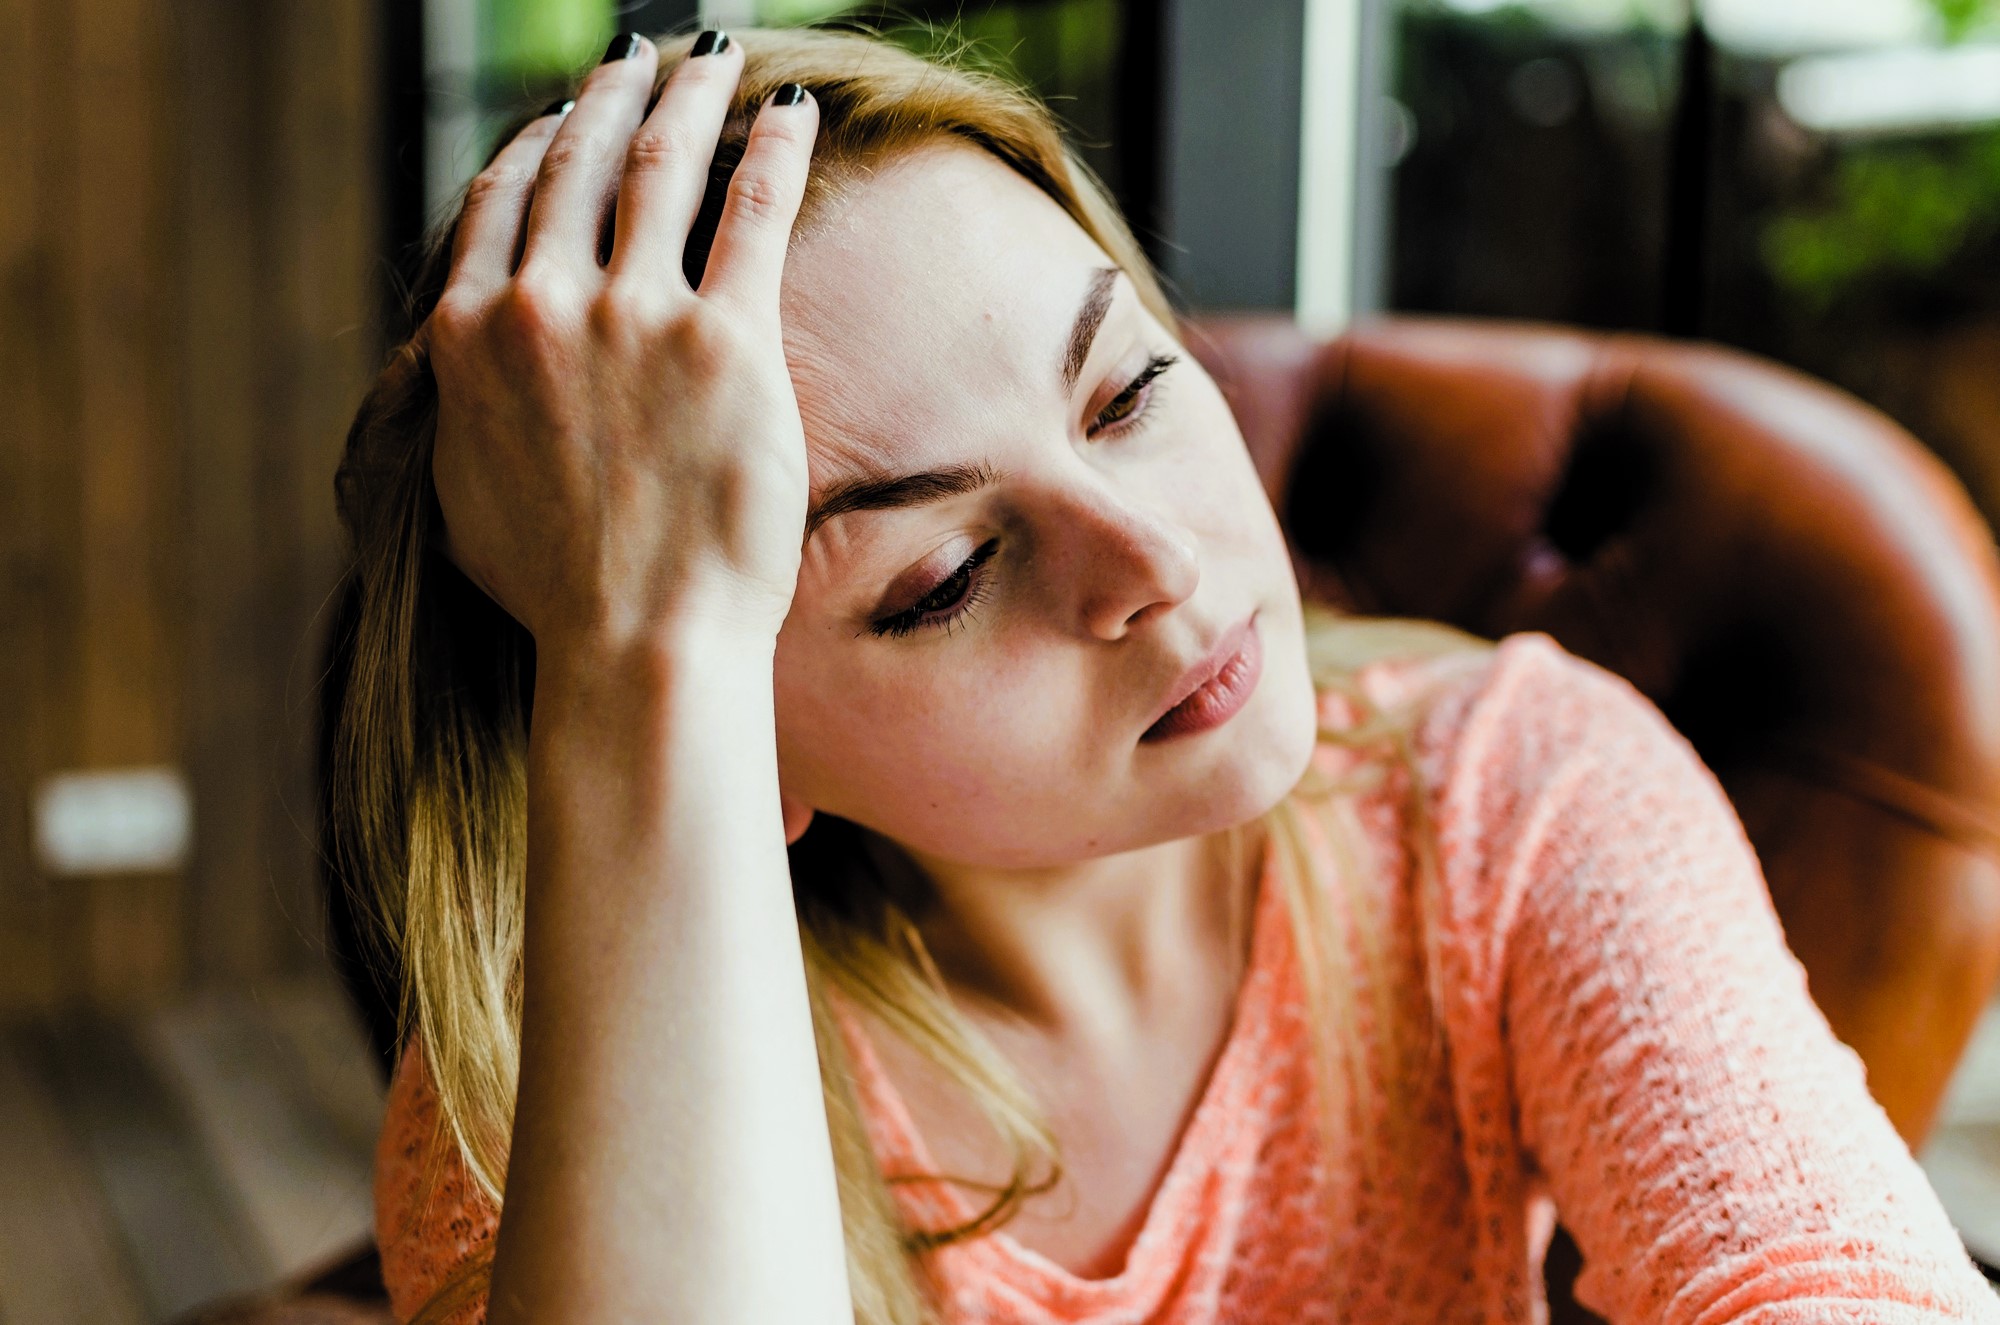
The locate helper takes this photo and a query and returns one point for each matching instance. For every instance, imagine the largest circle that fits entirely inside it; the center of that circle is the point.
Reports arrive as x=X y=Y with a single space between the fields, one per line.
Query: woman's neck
x=1090 y=949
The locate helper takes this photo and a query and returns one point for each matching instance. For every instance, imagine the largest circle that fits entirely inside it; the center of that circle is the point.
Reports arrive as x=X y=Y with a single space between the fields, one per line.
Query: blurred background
x=212 y=214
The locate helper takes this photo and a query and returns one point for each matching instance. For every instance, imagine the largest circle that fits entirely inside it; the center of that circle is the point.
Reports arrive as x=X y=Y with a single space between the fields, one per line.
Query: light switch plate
x=113 y=821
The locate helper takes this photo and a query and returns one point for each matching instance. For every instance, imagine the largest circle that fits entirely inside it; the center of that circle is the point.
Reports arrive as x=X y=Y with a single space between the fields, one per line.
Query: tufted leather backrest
x=1805 y=592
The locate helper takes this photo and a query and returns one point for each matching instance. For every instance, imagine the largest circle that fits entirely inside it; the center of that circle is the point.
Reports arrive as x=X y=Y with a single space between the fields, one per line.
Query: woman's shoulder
x=431 y=1215
x=1527 y=755
x=1445 y=673
x=1530 y=703
x=1471 y=703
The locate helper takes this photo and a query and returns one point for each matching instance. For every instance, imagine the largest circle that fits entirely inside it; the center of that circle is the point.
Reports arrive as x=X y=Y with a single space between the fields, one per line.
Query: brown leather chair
x=1801 y=588
x=1804 y=591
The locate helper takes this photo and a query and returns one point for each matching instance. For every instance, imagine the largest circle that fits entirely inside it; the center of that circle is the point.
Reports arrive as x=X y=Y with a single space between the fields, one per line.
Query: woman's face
x=973 y=670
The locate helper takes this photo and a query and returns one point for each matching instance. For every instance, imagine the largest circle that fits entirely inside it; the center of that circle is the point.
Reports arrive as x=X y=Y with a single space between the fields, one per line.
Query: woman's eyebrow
x=937 y=485
x=1096 y=303
x=888 y=492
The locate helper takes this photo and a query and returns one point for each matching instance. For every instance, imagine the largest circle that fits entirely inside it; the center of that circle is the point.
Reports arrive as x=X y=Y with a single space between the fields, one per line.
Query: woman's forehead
x=941 y=286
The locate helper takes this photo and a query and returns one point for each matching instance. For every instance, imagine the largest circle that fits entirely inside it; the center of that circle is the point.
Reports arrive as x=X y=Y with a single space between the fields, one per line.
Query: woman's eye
x=1129 y=403
x=961 y=591
x=965 y=588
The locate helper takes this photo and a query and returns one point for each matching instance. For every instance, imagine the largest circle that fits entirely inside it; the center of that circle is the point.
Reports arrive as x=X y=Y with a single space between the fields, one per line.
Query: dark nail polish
x=791 y=94
x=623 y=47
x=557 y=107
x=712 y=42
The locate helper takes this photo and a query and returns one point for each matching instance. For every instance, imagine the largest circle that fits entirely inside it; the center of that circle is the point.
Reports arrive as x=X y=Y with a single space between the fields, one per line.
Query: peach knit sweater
x=1624 y=1036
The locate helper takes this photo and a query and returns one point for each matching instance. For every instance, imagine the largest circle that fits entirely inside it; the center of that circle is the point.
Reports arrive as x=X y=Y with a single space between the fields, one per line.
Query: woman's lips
x=1222 y=683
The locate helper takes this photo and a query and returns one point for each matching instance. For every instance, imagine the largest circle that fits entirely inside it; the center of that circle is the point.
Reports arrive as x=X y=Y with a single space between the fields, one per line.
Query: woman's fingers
x=667 y=162
x=749 y=253
x=496 y=207
x=579 y=172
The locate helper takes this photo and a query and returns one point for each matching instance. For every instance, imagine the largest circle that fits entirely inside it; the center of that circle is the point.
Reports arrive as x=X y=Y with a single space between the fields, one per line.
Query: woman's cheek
x=886 y=748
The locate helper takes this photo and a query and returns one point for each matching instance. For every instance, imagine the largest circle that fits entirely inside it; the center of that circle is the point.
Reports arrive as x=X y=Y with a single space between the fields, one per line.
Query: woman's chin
x=1244 y=768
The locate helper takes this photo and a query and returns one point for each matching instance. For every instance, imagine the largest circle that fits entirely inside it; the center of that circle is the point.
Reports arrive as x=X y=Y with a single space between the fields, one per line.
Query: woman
x=853 y=492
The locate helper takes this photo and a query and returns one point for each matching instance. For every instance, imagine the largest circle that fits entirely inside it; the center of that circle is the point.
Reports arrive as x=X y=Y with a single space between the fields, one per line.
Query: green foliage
x=541 y=40
x=1896 y=211
x=1049 y=46
x=1960 y=17
x=782 y=13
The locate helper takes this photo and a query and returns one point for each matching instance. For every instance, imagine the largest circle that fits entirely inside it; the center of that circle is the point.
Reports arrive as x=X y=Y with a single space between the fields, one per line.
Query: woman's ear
x=798 y=815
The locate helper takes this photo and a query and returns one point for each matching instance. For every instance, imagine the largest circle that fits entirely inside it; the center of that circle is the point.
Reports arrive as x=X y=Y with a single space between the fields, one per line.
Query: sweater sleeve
x=431 y=1218
x=1710 y=1144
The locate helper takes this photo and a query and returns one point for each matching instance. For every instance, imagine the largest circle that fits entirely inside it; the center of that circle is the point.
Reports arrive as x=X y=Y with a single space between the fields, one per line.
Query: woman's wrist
x=687 y=654
x=645 y=748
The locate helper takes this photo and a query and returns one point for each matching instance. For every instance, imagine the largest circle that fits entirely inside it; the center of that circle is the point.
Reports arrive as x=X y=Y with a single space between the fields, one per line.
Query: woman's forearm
x=670 y=1159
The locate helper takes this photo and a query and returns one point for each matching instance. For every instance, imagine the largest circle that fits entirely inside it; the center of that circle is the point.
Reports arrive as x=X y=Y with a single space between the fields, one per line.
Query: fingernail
x=556 y=108
x=791 y=94
x=712 y=42
x=623 y=47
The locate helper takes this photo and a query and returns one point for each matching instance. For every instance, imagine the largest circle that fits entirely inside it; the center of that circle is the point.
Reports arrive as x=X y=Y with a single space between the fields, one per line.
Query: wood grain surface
x=186 y=321
x=154 y=1163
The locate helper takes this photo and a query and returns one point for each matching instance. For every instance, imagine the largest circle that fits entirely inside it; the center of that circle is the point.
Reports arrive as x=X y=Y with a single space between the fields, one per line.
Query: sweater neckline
x=1173 y=1215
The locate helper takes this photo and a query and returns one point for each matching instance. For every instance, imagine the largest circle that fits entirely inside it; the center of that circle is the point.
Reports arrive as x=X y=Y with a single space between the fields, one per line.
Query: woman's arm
x=1708 y=1141
x=670 y=1156
x=621 y=466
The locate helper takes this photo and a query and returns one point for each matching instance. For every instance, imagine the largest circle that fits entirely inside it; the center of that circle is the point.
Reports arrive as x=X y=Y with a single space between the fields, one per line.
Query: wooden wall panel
x=325 y=182
x=26 y=958
x=185 y=323
x=115 y=233
x=226 y=267
x=116 y=245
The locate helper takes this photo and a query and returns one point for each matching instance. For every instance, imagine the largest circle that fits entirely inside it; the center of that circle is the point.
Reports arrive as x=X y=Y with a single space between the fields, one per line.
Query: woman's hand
x=620 y=463
x=617 y=452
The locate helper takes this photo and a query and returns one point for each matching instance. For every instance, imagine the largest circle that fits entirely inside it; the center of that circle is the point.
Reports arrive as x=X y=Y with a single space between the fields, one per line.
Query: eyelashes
x=959 y=594
x=1124 y=406
x=952 y=601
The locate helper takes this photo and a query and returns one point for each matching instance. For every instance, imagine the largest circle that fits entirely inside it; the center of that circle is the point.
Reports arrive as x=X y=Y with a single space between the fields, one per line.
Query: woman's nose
x=1131 y=562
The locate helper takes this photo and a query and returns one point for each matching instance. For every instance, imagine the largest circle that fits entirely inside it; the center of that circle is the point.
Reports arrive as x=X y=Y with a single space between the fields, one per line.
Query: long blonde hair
x=427 y=796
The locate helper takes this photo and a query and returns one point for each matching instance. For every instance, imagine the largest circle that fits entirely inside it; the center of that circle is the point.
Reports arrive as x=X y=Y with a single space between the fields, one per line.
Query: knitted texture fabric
x=1618 y=1032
